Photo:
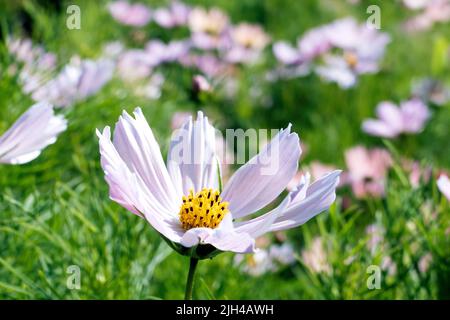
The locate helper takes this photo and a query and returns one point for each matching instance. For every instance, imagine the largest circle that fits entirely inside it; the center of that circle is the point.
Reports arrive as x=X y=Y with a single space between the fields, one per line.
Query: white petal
x=265 y=176
x=134 y=141
x=33 y=131
x=319 y=196
x=129 y=190
x=220 y=239
x=262 y=224
x=191 y=159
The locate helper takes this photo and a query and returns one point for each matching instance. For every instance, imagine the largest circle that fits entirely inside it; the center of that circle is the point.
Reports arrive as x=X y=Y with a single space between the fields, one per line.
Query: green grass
x=55 y=211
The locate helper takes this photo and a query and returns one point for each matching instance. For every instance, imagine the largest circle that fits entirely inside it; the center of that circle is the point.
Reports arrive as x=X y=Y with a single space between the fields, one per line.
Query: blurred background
x=325 y=66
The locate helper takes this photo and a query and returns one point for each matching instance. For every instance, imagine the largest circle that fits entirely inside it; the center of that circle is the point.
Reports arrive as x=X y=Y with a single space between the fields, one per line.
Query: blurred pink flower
x=367 y=170
x=151 y=87
x=361 y=49
x=389 y=265
x=134 y=64
x=33 y=131
x=200 y=84
x=443 y=184
x=158 y=52
x=78 y=80
x=417 y=173
x=432 y=11
x=208 y=64
x=34 y=65
x=375 y=233
x=315 y=257
x=347 y=49
x=136 y=14
x=313 y=44
x=425 y=262
x=247 y=42
x=175 y=15
x=208 y=28
x=410 y=117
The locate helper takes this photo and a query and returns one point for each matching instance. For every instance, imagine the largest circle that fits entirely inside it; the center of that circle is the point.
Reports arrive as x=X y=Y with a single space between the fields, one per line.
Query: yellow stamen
x=351 y=59
x=204 y=209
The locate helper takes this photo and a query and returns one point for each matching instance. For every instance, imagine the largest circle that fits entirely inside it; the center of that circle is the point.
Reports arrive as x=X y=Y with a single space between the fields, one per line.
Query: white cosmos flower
x=33 y=131
x=181 y=199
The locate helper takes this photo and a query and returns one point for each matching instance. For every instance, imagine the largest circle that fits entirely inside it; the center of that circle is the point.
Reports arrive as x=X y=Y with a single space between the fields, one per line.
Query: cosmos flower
x=359 y=51
x=208 y=27
x=33 y=65
x=183 y=199
x=409 y=117
x=133 y=65
x=367 y=170
x=432 y=11
x=158 y=52
x=315 y=257
x=313 y=44
x=175 y=15
x=443 y=184
x=33 y=131
x=77 y=81
x=248 y=40
x=136 y=15
x=338 y=52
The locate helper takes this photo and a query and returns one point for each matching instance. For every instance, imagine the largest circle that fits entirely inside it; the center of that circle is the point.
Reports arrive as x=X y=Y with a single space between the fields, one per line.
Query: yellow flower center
x=351 y=59
x=203 y=209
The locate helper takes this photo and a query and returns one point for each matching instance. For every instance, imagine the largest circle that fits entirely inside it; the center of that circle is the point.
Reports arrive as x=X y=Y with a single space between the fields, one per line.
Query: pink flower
x=392 y=121
x=200 y=84
x=208 y=28
x=33 y=131
x=247 y=42
x=443 y=184
x=432 y=11
x=367 y=170
x=360 y=49
x=136 y=14
x=158 y=52
x=175 y=15
x=78 y=80
x=425 y=262
x=134 y=65
x=313 y=44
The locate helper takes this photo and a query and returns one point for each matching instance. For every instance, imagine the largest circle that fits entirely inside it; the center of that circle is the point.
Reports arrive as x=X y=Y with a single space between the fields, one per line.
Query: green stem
x=190 y=279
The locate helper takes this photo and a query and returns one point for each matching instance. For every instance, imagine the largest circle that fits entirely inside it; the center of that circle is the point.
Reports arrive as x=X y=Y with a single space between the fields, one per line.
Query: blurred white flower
x=30 y=134
x=443 y=184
